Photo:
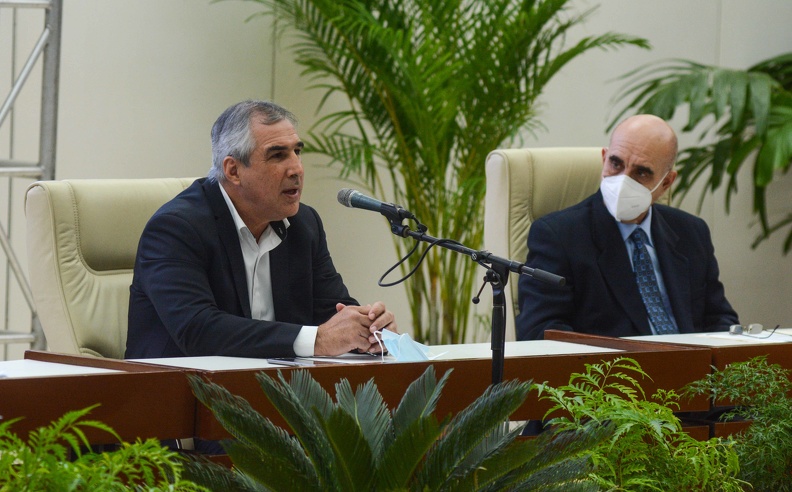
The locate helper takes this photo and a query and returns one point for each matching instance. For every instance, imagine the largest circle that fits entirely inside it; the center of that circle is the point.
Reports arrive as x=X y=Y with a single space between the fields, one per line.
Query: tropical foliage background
x=741 y=117
x=431 y=88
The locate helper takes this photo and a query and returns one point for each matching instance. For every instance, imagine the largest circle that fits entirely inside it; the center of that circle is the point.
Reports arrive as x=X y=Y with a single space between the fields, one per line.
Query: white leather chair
x=82 y=238
x=522 y=186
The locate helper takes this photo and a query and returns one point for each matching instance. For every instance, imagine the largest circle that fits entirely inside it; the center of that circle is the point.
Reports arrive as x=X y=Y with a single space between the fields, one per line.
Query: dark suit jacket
x=189 y=293
x=584 y=245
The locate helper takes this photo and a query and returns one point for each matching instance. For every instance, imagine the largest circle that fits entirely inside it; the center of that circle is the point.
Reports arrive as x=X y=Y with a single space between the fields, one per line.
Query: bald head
x=649 y=133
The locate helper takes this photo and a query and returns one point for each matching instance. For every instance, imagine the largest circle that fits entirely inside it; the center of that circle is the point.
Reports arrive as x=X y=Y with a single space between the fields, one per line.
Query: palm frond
x=368 y=410
x=355 y=470
x=214 y=476
x=405 y=454
x=419 y=400
x=303 y=422
x=236 y=415
x=308 y=392
x=447 y=459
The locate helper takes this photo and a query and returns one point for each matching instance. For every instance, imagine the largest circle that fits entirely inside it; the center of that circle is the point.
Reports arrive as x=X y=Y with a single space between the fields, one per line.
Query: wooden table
x=136 y=400
x=470 y=376
x=726 y=348
x=152 y=398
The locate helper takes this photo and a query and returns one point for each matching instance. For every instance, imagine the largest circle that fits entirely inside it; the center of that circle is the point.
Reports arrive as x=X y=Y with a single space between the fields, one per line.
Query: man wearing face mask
x=633 y=267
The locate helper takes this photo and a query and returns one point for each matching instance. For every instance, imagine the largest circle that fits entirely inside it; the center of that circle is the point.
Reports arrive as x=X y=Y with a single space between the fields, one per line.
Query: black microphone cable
x=422 y=228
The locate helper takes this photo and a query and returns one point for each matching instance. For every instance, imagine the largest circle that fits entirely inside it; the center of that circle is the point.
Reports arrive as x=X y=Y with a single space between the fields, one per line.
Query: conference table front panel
x=470 y=376
x=136 y=400
x=726 y=348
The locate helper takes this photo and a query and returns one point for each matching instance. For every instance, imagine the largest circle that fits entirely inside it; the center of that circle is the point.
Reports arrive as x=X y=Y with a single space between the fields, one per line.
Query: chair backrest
x=522 y=186
x=82 y=238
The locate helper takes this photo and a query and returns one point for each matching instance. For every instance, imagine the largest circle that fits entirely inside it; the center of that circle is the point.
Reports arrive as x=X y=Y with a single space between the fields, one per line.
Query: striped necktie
x=647 y=284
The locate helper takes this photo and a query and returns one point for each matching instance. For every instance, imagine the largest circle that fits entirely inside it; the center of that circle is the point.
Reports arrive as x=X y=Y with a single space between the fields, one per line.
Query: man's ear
x=669 y=180
x=604 y=153
x=231 y=169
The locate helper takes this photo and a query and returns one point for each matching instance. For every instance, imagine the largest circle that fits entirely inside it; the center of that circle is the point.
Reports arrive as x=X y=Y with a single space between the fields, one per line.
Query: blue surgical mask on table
x=626 y=198
x=402 y=347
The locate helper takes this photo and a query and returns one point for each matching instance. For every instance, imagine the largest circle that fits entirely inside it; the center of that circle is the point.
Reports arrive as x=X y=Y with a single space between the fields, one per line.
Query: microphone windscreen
x=345 y=197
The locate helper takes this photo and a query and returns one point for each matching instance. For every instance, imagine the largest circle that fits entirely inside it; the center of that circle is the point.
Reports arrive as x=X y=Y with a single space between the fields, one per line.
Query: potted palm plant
x=741 y=117
x=432 y=87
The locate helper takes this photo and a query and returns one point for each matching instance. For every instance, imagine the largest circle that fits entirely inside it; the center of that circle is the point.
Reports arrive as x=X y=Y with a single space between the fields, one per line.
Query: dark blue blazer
x=189 y=294
x=583 y=244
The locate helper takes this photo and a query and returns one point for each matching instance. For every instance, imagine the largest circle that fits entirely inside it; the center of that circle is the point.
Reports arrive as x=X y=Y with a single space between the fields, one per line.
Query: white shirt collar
x=627 y=229
x=240 y=225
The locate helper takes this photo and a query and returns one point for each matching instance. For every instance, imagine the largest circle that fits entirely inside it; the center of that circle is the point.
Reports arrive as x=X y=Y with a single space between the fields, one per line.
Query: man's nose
x=296 y=166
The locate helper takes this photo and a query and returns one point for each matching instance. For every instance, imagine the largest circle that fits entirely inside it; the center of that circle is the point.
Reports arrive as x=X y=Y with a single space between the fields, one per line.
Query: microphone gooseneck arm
x=481 y=257
x=497 y=268
x=497 y=276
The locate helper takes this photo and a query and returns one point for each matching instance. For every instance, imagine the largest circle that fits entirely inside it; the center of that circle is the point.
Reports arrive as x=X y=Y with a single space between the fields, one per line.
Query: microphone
x=355 y=199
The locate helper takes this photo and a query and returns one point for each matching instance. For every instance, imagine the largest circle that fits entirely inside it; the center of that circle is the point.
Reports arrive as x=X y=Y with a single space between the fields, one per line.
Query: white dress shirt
x=259 y=282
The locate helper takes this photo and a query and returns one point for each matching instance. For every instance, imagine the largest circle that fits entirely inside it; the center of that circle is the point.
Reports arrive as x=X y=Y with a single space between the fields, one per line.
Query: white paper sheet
x=26 y=368
x=440 y=352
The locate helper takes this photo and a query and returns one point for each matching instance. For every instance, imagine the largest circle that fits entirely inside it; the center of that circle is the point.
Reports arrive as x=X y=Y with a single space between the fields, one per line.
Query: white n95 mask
x=626 y=198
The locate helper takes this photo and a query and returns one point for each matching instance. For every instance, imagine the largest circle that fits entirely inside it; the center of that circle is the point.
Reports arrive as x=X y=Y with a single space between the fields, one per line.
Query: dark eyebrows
x=280 y=148
x=638 y=168
x=615 y=159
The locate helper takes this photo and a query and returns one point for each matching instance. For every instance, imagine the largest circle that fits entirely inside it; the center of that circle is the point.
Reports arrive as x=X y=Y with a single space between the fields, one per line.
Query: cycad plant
x=356 y=443
x=740 y=116
x=431 y=87
x=649 y=450
x=762 y=393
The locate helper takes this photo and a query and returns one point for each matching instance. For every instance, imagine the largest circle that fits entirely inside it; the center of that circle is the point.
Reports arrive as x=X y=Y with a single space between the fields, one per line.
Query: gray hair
x=232 y=135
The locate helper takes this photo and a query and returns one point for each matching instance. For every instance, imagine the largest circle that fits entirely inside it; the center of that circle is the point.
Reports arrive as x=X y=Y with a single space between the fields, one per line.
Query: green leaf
x=468 y=428
x=353 y=461
x=419 y=400
x=244 y=423
x=405 y=454
x=760 y=87
x=303 y=422
x=368 y=410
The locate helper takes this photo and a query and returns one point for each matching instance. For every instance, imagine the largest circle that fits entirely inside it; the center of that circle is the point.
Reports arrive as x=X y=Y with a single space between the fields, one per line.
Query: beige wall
x=142 y=82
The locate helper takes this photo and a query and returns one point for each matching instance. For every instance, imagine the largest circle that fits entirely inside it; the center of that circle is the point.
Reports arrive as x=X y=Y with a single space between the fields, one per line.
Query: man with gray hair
x=235 y=265
x=633 y=267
